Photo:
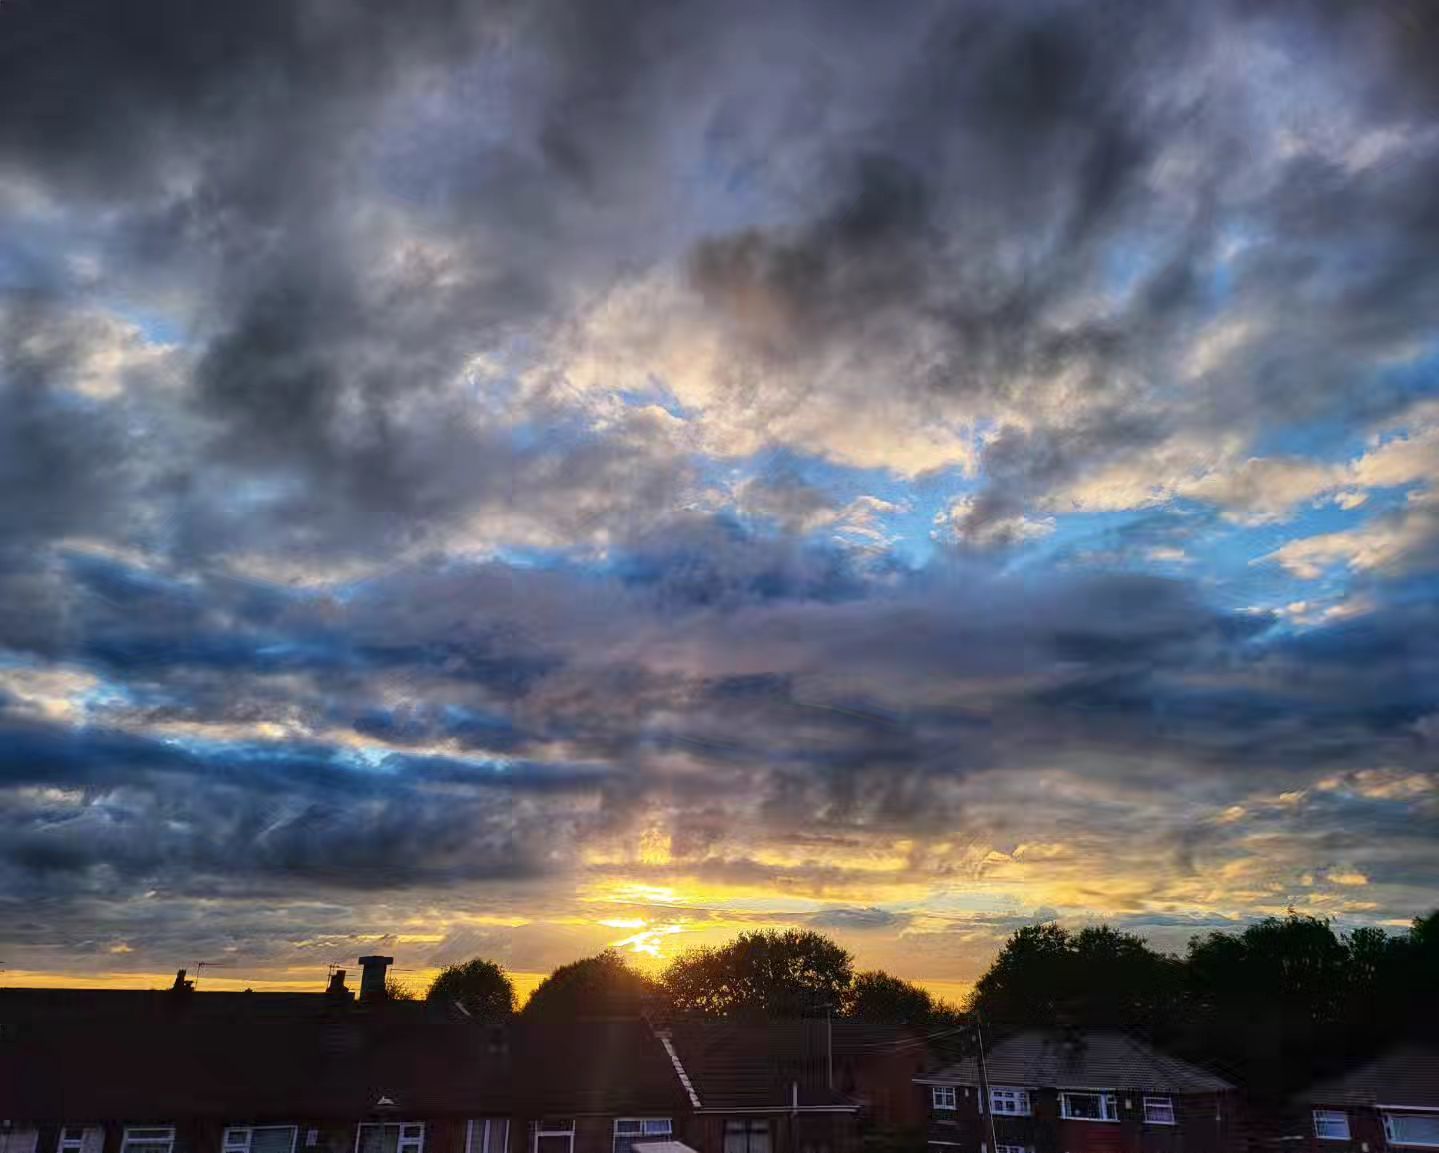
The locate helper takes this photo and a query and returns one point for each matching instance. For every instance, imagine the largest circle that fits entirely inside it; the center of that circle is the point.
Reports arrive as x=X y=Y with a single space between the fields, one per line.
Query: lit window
x=488 y=1135
x=1088 y=1106
x=1412 y=1129
x=746 y=1137
x=390 y=1137
x=1158 y=1111
x=1331 y=1125
x=1012 y=1149
x=629 y=1130
x=80 y=1139
x=148 y=1139
x=943 y=1097
x=260 y=1139
x=552 y=1135
x=1011 y=1102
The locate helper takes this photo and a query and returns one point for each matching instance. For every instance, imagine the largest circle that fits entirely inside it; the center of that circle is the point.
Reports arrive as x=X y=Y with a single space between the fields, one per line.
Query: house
x=185 y=1071
x=179 y=1071
x=1391 y=1102
x=1077 y=1091
x=595 y=1085
x=805 y=1086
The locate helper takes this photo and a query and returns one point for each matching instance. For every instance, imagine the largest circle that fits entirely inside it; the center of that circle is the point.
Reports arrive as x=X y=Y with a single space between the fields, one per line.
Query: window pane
x=272 y=1139
x=1413 y=1128
x=372 y=1139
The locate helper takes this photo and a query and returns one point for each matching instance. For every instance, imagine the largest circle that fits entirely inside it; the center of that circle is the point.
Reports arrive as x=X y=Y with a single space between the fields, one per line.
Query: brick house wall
x=1204 y=1123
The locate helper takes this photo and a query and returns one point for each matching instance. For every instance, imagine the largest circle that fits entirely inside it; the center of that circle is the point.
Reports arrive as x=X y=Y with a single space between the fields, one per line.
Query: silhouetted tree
x=1023 y=981
x=397 y=990
x=877 y=996
x=771 y=974
x=480 y=986
x=1268 y=1004
x=1045 y=975
x=599 y=986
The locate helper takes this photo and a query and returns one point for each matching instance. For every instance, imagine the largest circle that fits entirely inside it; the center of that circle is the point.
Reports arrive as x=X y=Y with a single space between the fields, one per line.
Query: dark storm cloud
x=302 y=292
x=333 y=334
x=1033 y=159
x=119 y=809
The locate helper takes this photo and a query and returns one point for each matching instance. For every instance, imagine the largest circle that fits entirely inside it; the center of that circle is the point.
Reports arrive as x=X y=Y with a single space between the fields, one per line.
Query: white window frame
x=148 y=1135
x=410 y=1140
x=537 y=1130
x=1323 y=1117
x=1002 y=1097
x=649 y=1130
x=1108 y=1105
x=1165 y=1105
x=492 y=1126
x=81 y=1144
x=752 y=1126
x=938 y=1095
x=232 y=1143
x=1388 y=1118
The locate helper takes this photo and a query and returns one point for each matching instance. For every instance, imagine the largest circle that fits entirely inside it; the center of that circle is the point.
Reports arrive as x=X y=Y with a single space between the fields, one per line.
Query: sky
x=509 y=479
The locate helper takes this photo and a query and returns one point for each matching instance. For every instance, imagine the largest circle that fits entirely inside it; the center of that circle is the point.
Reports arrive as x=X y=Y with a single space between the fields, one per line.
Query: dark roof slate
x=594 y=1065
x=255 y=1070
x=241 y=1056
x=1408 y=1075
x=743 y=1065
x=1092 y=1059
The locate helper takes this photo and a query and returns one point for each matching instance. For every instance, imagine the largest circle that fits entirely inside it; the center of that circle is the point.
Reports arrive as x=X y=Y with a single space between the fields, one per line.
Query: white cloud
x=1393 y=543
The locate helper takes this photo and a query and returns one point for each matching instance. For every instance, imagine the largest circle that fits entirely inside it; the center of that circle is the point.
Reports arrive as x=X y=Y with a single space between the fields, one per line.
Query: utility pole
x=829 y=1045
x=984 y=1100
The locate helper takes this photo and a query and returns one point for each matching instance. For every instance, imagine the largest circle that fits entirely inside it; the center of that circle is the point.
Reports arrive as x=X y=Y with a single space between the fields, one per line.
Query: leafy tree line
x=793 y=973
x=1274 y=1005
x=1285 y=1000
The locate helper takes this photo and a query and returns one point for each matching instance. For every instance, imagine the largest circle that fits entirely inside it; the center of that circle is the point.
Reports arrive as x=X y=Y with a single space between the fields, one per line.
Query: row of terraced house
x=185 y=1071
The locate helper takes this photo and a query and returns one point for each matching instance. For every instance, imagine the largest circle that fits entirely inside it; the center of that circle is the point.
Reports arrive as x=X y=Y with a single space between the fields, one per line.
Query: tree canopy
x=481 y=987
x=790 y=973
x=878 y=996
x=1278 y=1003
x=1099 y=975
x=599 y=986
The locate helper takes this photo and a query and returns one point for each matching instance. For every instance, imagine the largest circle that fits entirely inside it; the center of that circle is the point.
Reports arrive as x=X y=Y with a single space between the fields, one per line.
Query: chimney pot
x=181 y=985
x=336 y=987
x=372 y=977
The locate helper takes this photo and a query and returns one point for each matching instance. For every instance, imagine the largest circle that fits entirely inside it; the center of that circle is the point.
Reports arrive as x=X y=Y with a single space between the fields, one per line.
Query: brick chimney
x=372 y=977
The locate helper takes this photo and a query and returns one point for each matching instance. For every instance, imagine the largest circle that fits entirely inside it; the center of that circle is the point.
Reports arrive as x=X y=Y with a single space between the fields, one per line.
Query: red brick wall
x=1205 y=1123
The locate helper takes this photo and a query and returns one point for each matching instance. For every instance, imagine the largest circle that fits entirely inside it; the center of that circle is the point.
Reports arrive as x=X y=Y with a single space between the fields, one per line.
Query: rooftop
x=1407 y=1075
x=1082 y=1059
